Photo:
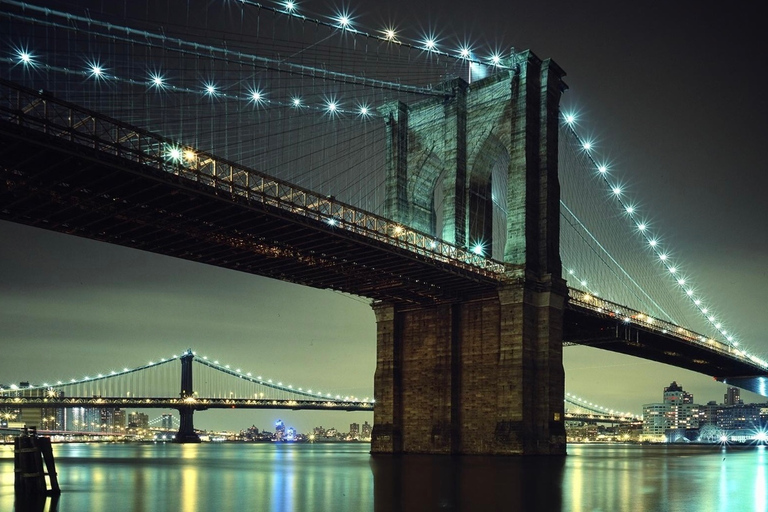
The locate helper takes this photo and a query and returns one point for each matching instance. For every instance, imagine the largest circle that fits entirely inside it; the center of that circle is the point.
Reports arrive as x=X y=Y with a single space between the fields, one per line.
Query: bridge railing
x=41 y=111
x=632 y=316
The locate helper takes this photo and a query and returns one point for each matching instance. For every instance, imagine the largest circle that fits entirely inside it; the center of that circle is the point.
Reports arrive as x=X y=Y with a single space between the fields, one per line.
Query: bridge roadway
x=67 y=169
x=198 y=404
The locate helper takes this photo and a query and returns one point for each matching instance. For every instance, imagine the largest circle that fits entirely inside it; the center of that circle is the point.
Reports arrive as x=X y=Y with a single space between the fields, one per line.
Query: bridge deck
x=609 y=331
x=63 y=186
x=179 y=403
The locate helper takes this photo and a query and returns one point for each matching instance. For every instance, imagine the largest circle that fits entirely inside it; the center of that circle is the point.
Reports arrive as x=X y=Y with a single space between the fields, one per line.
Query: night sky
x=671 y=91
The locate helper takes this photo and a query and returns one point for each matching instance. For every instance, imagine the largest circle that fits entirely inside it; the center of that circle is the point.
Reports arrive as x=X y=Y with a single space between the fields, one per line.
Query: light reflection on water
x=344 y=477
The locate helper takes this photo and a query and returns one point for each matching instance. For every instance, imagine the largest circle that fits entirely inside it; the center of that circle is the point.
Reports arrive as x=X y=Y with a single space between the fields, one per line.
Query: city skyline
x=672 y=94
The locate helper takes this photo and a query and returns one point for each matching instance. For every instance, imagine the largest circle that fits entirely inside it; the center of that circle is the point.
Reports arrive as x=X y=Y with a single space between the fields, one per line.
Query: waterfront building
x=676 y=412
x=354 y=431
x=739 y=417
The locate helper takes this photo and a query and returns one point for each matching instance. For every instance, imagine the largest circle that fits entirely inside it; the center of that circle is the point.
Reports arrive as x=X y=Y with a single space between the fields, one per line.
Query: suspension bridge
x=194 y=385
x=218 y=386
x=434 y=182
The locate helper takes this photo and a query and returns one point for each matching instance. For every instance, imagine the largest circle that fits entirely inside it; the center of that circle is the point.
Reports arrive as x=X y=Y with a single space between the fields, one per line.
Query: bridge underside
x=584 y=326
x=55 y=184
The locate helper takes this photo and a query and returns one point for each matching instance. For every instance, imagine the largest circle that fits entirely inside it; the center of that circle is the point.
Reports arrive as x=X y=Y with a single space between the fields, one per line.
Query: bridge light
x=256 y=96
x=96 y=71
x=711 y=318
x=464 y=52
x=290 y=6
x=602 y=169
x=689 y=292
x=642 y=226
x=681 y=281
x=653 y=242
x=478 y=249
x=587 y=145
x=673 y=270
x=296 y=102
x=209 y=89
x=616 y=191
x=705 y=310
x=25 y=57
x=344 y=20
x=496 y=59
x=157 y=81
x=630 y=209
x=100 y=375
x=663 y=257
x=174 y=153
x=569 y=118
x=332 y=106
x=248 y=374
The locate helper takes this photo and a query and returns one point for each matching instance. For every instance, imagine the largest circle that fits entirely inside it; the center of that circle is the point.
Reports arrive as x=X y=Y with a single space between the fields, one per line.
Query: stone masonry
x=483 y=375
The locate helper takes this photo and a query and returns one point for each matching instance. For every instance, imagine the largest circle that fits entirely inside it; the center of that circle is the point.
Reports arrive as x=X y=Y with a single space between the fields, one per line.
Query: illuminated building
x=367 y=430
x=732 y=396
x=676 y=412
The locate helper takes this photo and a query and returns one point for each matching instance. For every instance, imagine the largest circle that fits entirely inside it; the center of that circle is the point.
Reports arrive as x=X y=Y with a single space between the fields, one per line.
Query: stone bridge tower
x=478 y=168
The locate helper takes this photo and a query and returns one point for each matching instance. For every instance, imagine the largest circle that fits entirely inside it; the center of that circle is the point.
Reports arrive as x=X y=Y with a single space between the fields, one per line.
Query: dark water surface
x=345 y=478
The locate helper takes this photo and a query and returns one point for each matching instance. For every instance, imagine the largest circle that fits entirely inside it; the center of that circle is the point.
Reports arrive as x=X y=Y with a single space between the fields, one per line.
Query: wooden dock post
x=29 y=454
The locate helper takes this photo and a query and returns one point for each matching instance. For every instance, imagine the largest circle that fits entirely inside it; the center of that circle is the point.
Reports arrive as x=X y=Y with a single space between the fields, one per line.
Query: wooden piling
x=29 y=454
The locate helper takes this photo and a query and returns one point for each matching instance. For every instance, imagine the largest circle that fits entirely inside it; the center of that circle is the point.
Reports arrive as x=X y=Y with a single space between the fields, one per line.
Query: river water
x=346 y=478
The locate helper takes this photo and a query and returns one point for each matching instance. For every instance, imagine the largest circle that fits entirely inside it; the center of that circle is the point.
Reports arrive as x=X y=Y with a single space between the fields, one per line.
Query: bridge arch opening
x=487 y=200
x=426 y=214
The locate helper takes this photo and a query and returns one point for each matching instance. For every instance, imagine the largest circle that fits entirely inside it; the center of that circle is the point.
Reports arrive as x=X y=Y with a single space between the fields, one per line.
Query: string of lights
x=224 y=369
x=643 y=227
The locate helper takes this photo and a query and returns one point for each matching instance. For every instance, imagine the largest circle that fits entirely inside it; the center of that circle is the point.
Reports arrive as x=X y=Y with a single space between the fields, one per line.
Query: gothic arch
x=487 y=184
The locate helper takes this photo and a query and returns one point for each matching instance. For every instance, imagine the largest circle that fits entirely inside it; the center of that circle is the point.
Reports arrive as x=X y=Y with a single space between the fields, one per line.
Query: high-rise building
x=367 y=430
x=138 y=420
x=732 y=396
x=279 y=430
x=167 y=421
x=118 y=420
x=354 y=430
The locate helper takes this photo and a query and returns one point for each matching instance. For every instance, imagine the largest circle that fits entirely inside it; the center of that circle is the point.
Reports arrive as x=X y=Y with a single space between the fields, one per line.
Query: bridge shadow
x=428 y=482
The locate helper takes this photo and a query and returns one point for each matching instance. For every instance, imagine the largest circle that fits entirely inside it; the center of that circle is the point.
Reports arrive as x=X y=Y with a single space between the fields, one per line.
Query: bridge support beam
x=186 y=433
x=478 y=377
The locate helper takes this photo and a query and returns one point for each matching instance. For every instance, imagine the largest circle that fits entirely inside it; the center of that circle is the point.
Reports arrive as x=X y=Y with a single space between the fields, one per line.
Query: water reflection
x=345 y=478
x=418 y=482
